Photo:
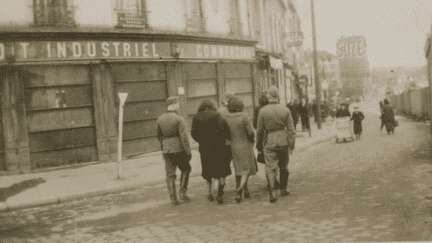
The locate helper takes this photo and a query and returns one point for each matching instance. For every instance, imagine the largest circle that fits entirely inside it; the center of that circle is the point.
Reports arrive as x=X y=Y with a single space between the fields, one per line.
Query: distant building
x=329 y=73
x=63 y=61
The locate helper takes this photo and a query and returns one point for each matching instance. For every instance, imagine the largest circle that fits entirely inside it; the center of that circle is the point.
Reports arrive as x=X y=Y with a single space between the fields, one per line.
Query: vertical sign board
x=354 y=65
x=122 y=100
x=354 y=46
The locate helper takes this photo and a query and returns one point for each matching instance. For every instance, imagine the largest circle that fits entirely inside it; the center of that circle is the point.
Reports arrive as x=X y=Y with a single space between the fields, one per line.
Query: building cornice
x=8 y=34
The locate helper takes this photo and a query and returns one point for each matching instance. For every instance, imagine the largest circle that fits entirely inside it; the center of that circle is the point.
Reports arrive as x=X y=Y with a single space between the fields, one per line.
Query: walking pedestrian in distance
x=293 y=106
x=357 y=117
x=174 y=142
x=381 y=105
x=388 y=117
x=276 y=138
x=242 y=142
x=304 y=115
x=211 y=132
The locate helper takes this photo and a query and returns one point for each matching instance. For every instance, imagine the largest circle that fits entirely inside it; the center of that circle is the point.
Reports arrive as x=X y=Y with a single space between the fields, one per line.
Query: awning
x=275 y=63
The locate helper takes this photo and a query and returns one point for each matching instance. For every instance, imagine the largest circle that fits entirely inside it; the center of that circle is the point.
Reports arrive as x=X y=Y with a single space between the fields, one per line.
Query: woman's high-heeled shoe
x=239 y=196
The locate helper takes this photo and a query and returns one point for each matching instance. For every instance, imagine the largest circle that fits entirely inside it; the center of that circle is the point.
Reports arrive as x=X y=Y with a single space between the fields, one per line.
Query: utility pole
x=316 y=71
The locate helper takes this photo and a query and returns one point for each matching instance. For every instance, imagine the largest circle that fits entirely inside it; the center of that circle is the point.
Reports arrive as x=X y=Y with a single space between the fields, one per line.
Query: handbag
x=396 y=123
x=260 y=158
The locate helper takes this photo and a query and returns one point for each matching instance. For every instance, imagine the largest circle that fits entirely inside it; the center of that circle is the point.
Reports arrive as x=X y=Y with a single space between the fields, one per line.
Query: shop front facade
x=59 y=94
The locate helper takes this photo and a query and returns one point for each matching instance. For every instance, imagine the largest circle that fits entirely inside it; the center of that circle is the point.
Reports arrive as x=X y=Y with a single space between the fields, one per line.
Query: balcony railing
x=129 y=19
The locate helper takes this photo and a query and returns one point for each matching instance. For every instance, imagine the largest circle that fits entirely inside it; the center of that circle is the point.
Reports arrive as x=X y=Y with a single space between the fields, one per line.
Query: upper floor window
x=194 y=16
x=53 y=12
x=235 y=20
x=131 y=13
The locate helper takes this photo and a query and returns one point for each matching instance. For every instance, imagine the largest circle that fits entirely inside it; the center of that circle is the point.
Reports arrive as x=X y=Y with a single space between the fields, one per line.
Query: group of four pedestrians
x=227 y=135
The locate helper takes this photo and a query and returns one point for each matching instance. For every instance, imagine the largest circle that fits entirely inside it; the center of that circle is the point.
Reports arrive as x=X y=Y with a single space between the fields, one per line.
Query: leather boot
x=172 y=190
x=271 y=180
x=184 y=181
x=239 y=196
x=220 y=194
x=284 y=183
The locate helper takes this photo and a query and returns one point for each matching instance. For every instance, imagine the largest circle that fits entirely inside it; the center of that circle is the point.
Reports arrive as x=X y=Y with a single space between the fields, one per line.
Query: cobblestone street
x=377 y=189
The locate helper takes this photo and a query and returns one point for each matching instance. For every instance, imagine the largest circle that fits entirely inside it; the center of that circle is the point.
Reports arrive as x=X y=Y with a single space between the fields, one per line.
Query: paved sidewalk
x=63 y=185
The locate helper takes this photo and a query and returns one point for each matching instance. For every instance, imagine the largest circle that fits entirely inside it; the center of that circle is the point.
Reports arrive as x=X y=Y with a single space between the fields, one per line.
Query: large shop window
x=59 y=106
x=238 y=81
x=2 y=152
x=146 y=85
x=131 y=14
x=53 y=12
x=201 y=84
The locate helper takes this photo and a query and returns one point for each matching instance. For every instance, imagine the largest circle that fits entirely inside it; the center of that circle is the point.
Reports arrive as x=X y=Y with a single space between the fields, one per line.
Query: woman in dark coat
x=304 y=115
x=242 y=142
x=211 y=132
x=388 y=117
x=357 y=117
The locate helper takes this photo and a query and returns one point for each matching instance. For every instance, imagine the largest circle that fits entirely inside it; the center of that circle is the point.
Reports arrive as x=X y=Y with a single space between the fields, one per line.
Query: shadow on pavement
x=6 y=192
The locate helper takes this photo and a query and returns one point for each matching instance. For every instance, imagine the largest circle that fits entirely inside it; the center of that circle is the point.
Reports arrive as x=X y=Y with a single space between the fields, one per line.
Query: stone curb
x=4 y=207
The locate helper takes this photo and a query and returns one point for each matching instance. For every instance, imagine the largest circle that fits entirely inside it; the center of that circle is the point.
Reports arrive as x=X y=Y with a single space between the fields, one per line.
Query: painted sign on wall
x=89 y=50
x=352 y=46
x=78 y=50
x=214 y=51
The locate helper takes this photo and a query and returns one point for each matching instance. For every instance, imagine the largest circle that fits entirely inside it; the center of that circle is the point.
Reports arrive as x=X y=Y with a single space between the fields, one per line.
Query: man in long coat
x=176 y=151
x=275 y=137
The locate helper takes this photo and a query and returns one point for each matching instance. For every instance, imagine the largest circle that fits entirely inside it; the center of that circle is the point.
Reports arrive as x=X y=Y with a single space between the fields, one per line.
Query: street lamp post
x=316 y=71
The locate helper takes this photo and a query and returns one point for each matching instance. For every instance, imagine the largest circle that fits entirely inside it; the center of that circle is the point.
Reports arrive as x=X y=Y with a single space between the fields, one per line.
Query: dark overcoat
x=388 y=117
x=211 y=132
x=357 y=118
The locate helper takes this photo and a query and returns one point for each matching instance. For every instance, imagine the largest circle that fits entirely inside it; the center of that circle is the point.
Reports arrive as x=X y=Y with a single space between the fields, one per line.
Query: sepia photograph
x=215 y=121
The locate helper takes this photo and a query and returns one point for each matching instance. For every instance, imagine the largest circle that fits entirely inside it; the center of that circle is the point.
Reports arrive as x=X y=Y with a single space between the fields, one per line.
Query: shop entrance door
x=146 y=85
x=201 y=83
x=59 y=106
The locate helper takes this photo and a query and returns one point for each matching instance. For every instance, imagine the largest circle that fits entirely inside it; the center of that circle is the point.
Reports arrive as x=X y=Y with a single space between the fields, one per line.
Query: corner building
x=62 y=63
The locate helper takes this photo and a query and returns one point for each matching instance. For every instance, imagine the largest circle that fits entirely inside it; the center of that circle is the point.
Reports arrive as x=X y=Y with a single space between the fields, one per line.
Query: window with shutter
x=131 y=14
x=53 y=12
x=235 y=20
x=194 y=16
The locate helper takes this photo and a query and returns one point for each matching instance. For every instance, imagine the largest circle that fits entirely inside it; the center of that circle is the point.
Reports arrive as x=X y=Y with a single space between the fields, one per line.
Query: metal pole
x=316 y=71
x=122 y=100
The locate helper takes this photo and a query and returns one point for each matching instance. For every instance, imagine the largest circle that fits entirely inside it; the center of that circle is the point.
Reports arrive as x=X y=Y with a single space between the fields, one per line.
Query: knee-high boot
x=170 y=181
x=284 y=182
x=184 y=181
x=271 y=181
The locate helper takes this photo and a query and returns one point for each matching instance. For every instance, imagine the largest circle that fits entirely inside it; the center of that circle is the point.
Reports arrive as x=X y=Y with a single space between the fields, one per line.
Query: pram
x=344 y=130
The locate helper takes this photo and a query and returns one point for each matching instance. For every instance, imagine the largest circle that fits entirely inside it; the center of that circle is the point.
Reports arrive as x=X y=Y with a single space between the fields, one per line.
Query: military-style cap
x=273 y=94
x=172 y=100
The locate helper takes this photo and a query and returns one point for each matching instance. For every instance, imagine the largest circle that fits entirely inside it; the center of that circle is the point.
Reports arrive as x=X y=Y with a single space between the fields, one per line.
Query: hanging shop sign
x=275 y=63
x=214 y=51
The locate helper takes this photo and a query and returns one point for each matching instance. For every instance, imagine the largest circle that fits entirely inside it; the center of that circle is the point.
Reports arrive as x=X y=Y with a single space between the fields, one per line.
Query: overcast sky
x=396 y=30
